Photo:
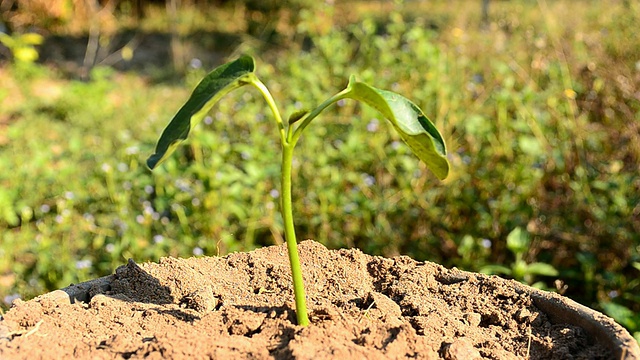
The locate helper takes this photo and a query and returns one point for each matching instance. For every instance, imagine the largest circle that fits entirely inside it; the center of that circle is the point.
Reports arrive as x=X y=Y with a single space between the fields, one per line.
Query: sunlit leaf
x=214 y=86
x=32 y=39
x=543 y=269
x=621 y=314
x=518 y=241
x=411 y=123
x=495 y=269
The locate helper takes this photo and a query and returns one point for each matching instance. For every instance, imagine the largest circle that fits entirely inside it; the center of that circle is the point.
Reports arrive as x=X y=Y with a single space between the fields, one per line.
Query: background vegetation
x=539 y=105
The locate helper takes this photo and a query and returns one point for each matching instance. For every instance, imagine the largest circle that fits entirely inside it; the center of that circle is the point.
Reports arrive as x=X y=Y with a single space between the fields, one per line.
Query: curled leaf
x=407 y=118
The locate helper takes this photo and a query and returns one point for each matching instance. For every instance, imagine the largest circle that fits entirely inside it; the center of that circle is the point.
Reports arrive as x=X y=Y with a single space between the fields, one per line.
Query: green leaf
x=407 y=118
x=518 y=241
x=621 y=314
x=7 y=212
x=298 y=115
x=495 y=269
x=530 y=145
x=543 y=269
x=210 y=90
x=7 y=40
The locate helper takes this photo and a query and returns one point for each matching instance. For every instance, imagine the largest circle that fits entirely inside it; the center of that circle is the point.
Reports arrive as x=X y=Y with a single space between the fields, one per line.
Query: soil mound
x=241 y=306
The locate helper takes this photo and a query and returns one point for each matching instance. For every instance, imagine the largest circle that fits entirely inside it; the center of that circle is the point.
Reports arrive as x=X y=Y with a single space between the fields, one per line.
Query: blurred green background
x=539 y=103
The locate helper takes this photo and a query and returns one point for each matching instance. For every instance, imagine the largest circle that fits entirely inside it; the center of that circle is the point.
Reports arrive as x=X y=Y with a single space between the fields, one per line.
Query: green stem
x=286 y=206
x=272 y=105
x=290 y=235
x=313 y=114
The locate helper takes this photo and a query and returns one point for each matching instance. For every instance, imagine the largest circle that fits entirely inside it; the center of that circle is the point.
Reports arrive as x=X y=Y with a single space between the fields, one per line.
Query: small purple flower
x=195 y=63
x=10 y=298
x=350 y=207
x=368 y=179
x=83 y=264
x=373 y=125
x=158 y=239
x=131 y=150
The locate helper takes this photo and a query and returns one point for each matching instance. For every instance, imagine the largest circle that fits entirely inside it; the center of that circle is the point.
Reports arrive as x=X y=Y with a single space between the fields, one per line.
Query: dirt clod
x=461 y=349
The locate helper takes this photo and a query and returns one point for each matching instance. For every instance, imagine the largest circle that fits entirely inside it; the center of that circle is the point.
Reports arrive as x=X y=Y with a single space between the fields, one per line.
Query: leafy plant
x=518 y=243
x=407 y=118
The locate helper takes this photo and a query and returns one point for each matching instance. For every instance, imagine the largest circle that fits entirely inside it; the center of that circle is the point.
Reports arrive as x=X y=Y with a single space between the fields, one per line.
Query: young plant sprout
x=407 y=118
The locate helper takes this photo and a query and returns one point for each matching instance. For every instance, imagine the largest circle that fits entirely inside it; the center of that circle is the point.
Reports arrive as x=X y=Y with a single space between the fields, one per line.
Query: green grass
x=538 y=111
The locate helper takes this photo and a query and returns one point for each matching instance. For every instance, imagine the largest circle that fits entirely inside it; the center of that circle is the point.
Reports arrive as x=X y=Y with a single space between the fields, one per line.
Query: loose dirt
x=241 y=306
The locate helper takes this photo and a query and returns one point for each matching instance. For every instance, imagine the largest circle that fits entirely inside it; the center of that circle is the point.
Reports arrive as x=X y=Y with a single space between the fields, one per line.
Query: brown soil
x=241 y=306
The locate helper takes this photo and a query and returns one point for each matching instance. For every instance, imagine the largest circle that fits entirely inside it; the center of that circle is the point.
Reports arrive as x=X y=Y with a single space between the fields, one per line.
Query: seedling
x=407 y=118
x=518 y=243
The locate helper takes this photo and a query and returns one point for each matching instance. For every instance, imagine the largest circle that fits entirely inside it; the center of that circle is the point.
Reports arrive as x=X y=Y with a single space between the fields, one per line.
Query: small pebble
x=389 y=307
x=201 y=300
x=98 y=300
x=523 y=315
x=57 y=297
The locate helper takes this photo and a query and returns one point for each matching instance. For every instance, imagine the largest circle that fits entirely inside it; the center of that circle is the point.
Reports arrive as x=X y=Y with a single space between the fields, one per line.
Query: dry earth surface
x=241 y=306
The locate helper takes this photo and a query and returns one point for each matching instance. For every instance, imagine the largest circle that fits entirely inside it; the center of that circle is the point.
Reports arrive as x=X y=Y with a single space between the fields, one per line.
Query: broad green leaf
x=621 y=314
x=407 y=118
x=210 y=90
x=518 y=241
x=543 y=269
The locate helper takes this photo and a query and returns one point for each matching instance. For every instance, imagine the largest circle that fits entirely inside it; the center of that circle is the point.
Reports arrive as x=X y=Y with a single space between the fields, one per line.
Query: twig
x=26 y=333
x=529 y=343
x=366 y=312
